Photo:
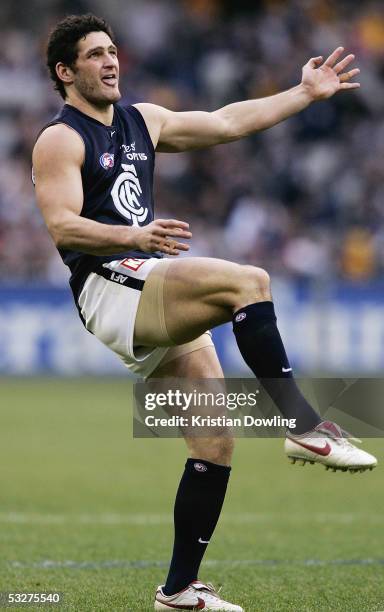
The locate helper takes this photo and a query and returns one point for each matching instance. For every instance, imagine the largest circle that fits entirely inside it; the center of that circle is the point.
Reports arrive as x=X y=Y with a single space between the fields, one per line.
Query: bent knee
x=253 y=285
x=258 y=278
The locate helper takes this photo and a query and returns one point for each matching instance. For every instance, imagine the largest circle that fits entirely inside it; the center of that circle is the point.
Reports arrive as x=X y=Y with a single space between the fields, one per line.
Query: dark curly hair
x=63 y=39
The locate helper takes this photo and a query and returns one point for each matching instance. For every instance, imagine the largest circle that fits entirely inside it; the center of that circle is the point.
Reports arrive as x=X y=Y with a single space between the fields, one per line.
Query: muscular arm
x=57 y=159
x=173 y=132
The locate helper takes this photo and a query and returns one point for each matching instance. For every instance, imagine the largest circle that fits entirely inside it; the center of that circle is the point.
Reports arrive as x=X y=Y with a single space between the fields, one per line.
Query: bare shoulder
x=58 y=142
x=152 y=112
x=154 y=116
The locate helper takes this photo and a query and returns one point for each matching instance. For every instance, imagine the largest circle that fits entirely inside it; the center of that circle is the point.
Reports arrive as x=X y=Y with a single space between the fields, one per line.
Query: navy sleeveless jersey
x=117 y=177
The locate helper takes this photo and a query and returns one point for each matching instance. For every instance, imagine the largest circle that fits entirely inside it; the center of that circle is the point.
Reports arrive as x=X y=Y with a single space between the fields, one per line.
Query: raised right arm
x=57 y=159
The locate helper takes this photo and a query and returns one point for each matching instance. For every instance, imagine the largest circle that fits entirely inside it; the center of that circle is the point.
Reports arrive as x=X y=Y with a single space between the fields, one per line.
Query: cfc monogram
x=126 y=193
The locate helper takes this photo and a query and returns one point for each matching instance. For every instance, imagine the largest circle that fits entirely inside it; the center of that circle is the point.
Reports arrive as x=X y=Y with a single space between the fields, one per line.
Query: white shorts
x=109 y=302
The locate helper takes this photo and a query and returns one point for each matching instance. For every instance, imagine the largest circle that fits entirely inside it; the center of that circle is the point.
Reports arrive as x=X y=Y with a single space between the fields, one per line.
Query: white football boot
x=330 y=445
x=196 y=596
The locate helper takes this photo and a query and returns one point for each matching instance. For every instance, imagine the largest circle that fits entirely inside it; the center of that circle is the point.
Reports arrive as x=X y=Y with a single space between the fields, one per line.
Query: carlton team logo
x=126 y=193
x=107 y=160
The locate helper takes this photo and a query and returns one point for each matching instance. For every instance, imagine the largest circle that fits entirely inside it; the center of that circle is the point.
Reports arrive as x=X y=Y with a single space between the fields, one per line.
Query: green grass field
x=87 y=511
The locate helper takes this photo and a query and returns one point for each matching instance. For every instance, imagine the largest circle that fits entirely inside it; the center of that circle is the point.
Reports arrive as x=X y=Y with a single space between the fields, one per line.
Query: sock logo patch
x=200 y=467
x=240 y=317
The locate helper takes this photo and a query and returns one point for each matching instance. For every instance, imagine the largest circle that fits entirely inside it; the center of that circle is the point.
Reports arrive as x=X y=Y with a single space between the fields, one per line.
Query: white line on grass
x=146 y=519
x=123 y=564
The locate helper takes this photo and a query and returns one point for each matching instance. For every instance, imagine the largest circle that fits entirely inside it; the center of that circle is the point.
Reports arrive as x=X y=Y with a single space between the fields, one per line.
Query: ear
x=65 y=73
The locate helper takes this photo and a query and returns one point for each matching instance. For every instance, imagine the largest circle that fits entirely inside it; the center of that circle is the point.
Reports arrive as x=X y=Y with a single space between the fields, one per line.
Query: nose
x=110 y=61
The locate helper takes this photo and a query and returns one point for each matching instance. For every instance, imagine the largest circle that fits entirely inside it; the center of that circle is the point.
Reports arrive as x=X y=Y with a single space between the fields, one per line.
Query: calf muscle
x=199 y=365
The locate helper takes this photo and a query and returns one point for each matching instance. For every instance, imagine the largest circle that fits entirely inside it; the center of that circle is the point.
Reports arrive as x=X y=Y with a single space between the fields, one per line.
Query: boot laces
x=345 y=439
x=210 y=590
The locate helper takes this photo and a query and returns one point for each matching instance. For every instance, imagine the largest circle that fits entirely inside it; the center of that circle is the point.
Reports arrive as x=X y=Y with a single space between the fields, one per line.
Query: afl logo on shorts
x=200 y=467
x=107 y=160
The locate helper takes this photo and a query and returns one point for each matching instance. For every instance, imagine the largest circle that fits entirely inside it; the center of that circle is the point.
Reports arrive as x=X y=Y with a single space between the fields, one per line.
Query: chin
x=104 y=100
x=111 y=97
x=116 y=96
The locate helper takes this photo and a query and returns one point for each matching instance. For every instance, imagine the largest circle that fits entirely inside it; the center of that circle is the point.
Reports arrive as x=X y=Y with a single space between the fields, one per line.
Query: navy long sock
x=262 y=348
x=198 y=505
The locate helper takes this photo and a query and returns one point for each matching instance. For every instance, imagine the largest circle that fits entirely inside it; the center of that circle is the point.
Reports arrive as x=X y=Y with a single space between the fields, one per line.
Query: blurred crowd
x=304 y=199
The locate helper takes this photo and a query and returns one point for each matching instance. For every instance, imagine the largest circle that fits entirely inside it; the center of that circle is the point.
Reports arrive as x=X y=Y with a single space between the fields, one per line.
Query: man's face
x=96 y=70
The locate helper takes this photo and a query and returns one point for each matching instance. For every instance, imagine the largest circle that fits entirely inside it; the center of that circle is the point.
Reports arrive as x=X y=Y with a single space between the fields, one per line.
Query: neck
x=104 y=115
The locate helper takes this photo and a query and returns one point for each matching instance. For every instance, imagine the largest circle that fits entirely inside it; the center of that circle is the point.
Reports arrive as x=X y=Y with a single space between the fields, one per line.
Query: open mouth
x=110 y=80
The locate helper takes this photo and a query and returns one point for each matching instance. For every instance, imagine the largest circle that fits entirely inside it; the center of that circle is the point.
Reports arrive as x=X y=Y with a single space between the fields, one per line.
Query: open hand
x=159 y=236
x=323 y=79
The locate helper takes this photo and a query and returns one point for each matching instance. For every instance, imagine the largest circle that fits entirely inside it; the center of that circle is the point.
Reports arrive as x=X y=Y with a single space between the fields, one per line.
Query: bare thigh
x=199 y=293
x=200 y=364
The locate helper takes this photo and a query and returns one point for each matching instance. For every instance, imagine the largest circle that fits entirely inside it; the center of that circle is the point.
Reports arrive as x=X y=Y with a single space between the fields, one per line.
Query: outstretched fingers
x=346 y=76
x=340 y=66
x=349 y=85
x=332 y=59
x=172 y=228
x=171 y=247
x=169 y=223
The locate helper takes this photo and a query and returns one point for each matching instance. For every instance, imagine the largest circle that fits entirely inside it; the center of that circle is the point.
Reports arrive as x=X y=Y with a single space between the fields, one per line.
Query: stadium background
x=304 y=200
x=85 y=509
